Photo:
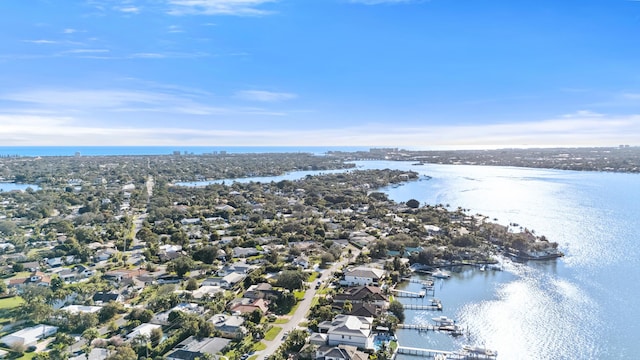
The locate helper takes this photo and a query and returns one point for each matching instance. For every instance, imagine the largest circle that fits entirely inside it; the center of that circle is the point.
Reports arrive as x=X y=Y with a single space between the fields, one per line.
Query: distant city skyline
x=424 y=74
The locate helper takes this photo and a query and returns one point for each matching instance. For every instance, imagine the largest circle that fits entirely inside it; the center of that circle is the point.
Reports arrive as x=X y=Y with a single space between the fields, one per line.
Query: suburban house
x=258 y=291
x=245 y=305
x=349 y=330
x=60 y=261
x=230 y=326
x=76 y=309
x=162 y=318
x=238 y=268
x=169 y=252
x=68 y=275
x=103 y=297
x=244 y=252
x=142 y=330
x=231 y=280
x=37 y=278
x=31 y=266
x=206 y=290
x=29 y=336
x=84 y=271
x=105 y=254
x=95 y=354
x=192 y=348
x=301 y=261
x=363 y=294
x=340 y=352
x=363 y=276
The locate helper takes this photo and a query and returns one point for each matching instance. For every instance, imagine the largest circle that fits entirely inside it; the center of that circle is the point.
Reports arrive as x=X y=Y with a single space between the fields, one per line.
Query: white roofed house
x=142 y=330
x=363 y=276
x=349 y=330
x=29 y=336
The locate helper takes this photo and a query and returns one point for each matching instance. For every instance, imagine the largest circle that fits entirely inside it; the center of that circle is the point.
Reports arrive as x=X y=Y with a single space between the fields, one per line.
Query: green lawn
x=27 y=356
x=259 y=346
x=393 y=345
x=10 y=303
x=313 y=276
x=281 y=321
x=294 y=308
x=314 y=301
x=299 y=294
x=272 y=333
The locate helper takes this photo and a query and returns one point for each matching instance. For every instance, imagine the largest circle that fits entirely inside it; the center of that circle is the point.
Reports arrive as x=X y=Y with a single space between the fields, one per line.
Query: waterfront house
x=363 y=276
x=365 y=310
x=363 y=294
x=340 y=352
x=348 y=330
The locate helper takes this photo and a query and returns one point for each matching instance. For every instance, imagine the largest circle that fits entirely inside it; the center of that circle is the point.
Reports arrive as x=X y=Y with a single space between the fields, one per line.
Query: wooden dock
x=429 y=353
x=409 y=294
x=441 y=354
x=425 y=283
x=454 y=330
x=430 y=307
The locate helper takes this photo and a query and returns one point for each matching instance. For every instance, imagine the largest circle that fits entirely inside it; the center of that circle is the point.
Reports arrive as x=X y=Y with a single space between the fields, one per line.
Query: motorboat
x=443 y=321
x=478 y=350
x=441 y=274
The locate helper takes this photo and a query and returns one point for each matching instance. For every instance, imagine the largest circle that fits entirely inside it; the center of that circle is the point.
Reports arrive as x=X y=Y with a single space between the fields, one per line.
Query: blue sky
x=406 y=73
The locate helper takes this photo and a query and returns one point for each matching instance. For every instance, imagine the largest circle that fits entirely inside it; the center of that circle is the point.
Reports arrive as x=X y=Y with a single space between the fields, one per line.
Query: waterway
x=583 y=306
x=5 y=186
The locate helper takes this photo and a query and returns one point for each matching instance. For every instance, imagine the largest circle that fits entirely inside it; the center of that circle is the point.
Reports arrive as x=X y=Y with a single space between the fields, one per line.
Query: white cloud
x=129 y=9
x=69 y=31
x=174 y=29
x=583 y=114
x=264 y=96
x=219 y=7
x=86 y=51
x=34 y=129
x=41 y=42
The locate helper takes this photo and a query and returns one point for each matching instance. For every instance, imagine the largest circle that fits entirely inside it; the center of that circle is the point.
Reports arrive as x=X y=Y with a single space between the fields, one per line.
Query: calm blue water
x=584 y=306
x=161 y=150
x=13 y=186
x=293 y=175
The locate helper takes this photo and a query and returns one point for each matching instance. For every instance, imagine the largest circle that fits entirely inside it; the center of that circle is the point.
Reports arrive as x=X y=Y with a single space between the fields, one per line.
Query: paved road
x=303 y=309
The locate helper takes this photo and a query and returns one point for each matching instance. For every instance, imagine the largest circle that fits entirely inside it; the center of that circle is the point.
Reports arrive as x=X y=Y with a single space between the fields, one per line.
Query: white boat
x=443 y=321
x=478 y=350
x=440 y=274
